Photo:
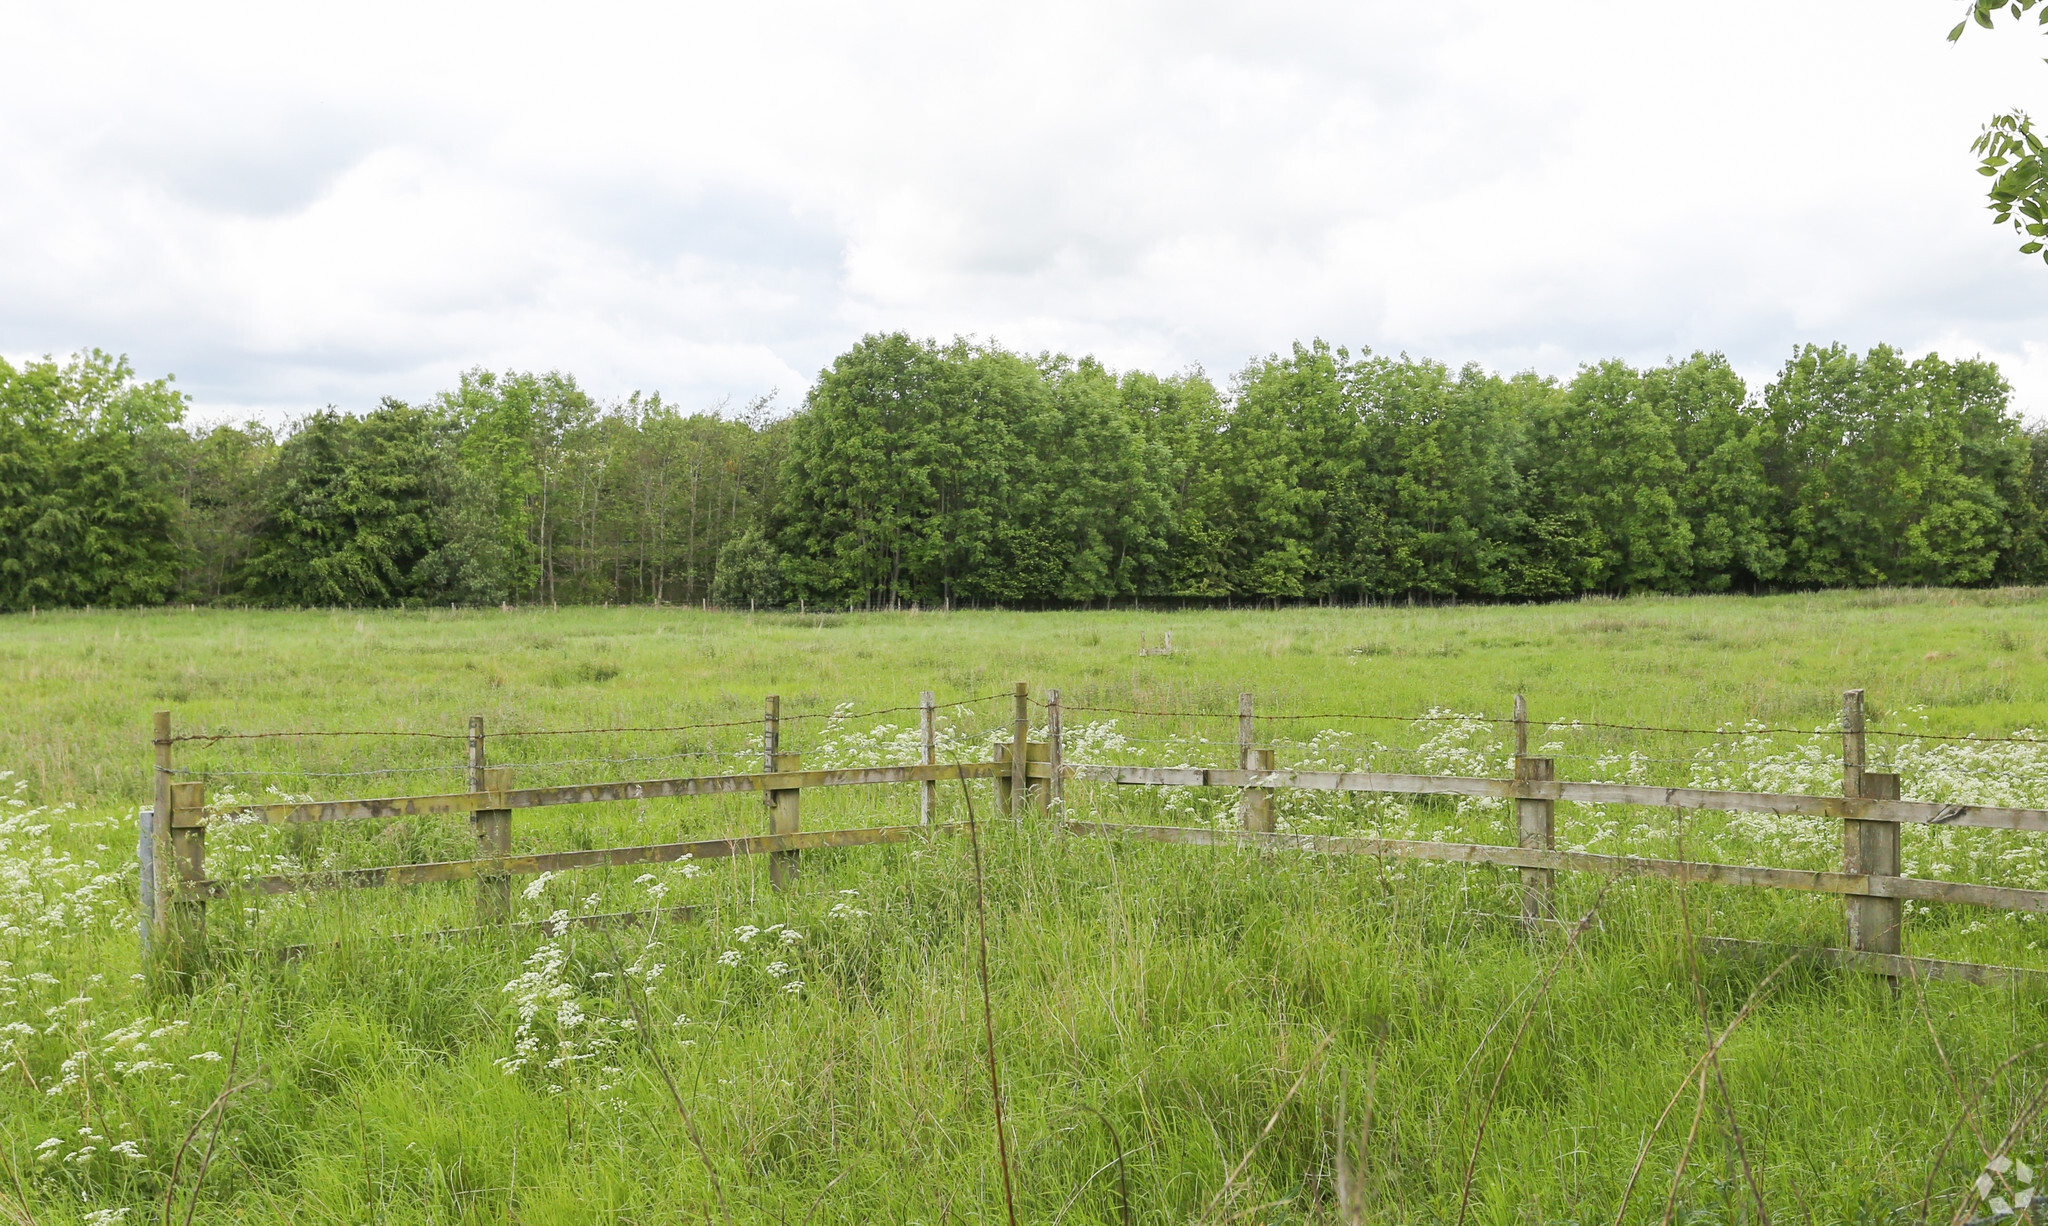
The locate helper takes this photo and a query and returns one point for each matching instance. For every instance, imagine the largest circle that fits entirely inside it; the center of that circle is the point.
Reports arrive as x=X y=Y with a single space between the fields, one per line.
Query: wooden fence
x=1030 y=778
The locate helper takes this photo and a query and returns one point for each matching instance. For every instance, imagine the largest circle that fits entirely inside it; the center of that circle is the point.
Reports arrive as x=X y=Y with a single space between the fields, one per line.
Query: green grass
x=1153 y=1005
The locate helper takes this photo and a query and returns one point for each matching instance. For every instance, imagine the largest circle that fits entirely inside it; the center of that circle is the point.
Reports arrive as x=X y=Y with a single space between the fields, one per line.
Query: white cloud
x=295 y=207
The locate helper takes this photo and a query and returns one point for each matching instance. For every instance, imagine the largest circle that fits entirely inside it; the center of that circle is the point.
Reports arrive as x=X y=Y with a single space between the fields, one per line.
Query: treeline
x=919 y=473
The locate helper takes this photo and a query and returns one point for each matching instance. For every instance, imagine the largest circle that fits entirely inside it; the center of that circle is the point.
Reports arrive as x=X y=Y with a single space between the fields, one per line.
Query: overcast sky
x=291 y=206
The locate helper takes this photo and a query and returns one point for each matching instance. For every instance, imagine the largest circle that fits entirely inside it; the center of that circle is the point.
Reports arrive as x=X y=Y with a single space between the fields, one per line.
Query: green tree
x=1889 y=471
x=222 y=474
x=1291 y=440
x=749 y=572
x=87 y=504
x=354 y=511
x=1723 y=494
x=515 y=431
x=1434 y=505
x=1605 y=466
x=1180 y=419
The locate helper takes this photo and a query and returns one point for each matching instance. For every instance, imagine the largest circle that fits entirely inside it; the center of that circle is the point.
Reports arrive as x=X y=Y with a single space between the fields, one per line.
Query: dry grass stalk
x=214 y=1109
x=1314 y=1058
x=675 y=1095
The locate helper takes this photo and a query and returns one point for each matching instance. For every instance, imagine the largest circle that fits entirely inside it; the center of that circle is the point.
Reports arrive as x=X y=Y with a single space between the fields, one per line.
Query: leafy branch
x=2011 y=155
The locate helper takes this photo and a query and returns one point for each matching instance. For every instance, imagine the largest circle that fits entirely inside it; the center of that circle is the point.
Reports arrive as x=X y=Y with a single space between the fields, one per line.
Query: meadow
x=1183 y=1034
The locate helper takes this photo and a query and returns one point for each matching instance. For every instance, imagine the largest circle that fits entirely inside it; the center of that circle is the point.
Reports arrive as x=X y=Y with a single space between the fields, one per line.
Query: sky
x=295 y=206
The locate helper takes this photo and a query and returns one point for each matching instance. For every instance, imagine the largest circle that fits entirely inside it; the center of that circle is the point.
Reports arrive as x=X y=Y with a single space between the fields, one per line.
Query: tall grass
x=1180 y=1029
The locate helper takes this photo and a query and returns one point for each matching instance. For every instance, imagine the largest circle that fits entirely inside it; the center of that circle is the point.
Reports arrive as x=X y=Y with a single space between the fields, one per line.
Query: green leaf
x=2031 y=248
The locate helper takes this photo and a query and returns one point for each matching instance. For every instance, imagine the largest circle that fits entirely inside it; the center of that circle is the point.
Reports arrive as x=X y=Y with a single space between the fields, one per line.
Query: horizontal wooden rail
x=582 y=794
x=552 y=862
x=1528 y=857
x=1929 y=812
x=1897 y=966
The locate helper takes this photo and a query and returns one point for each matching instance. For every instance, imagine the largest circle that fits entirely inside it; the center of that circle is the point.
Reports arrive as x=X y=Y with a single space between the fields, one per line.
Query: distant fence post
x=1020 y=739
x=1056 y=753
x=188 y=849
x=928 y=729
x=1255 y=805
x=492 y=829
x=784 y=817
x=1876 y=925
x=1535 y=823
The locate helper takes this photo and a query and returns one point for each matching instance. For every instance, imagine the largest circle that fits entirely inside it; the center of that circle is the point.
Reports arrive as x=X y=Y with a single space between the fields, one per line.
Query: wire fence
x=1327 y=748
x=786 y=724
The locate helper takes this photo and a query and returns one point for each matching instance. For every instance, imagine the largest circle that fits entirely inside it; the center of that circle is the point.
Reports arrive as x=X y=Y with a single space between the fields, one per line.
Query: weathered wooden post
x=1852 y=743
x=928 y=727
x=158 y=903
x=492 y=829
x=1255 y=806
x=1876 y=925
x=188 y=850
x=1535 y=823
x=1020 y=753
x=784 y=817
x=1056 y=754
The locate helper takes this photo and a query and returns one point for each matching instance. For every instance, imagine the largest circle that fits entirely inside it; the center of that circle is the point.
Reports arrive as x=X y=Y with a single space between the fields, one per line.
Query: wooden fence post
x=492 y=829
x=1535 y=824
x=1876 y=925
x=928 y=726
x=1255 y=805
x=1020 y=739
x=1056 y=754
x=159 y=901
x=771 y=732
x=784 y=817
x=1852 y=743
x=188 y=849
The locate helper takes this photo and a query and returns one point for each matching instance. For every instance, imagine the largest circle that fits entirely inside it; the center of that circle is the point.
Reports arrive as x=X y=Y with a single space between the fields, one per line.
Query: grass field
x=1180 y=1030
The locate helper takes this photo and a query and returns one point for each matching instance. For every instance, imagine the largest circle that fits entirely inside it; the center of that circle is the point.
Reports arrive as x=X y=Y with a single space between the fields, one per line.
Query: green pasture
x=1179 y=1031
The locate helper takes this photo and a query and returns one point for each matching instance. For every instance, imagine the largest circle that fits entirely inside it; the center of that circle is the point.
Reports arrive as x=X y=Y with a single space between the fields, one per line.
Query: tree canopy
x=917 y=472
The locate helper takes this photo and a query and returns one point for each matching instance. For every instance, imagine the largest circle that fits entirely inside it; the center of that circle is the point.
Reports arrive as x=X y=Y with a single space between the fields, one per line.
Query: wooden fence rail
x=1032 y=777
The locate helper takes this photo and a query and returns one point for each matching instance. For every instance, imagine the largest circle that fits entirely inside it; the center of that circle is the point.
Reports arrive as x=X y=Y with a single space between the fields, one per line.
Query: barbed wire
x=211 y=737
x=264 y=736
x=1551 y=727
x=656 y=757
x=729 y=723
x=1399 y=719
x=1969 y=737
x=1566 y=725
x=203 y=773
